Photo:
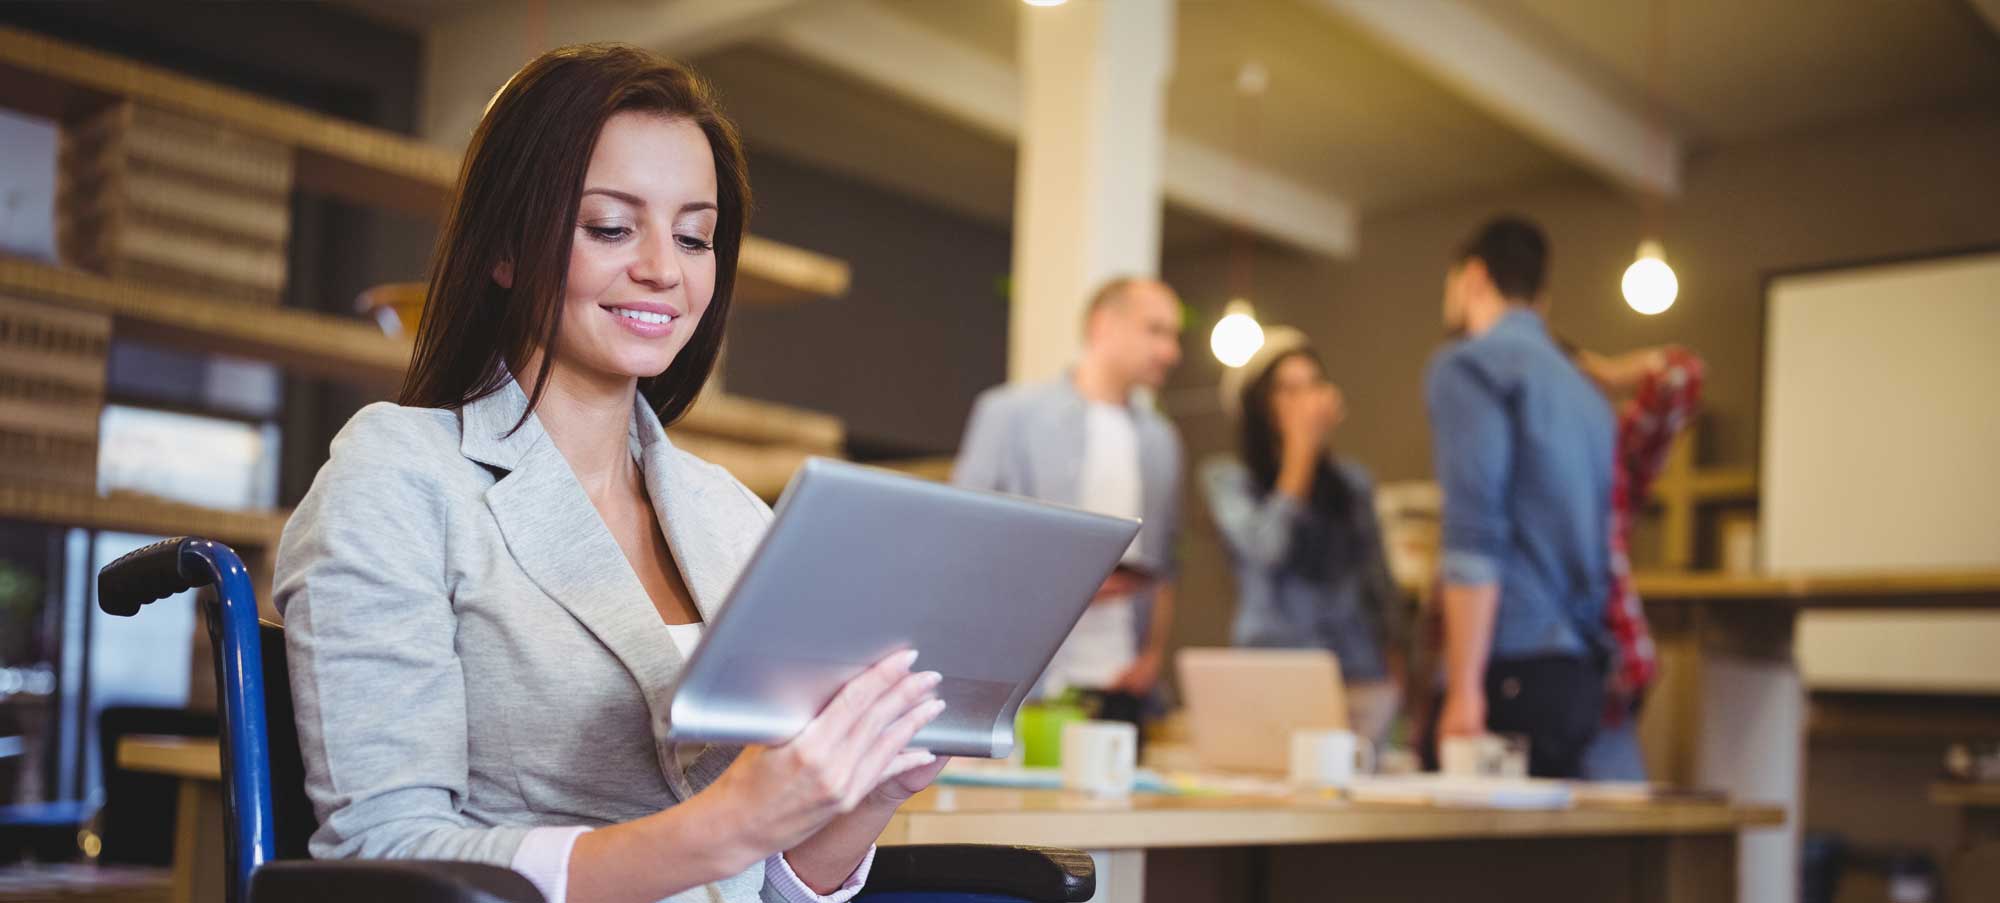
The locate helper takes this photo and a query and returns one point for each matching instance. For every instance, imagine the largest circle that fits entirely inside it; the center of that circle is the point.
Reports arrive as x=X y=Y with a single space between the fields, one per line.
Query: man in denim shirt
x=1523 y=451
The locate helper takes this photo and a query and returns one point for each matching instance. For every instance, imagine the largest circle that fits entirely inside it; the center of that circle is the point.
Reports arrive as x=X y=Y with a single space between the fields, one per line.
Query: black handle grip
x=1039 y=874
x=144 y=575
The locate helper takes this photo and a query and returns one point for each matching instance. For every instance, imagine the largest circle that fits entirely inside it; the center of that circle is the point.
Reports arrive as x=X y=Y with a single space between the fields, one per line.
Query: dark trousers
x=1556 y=701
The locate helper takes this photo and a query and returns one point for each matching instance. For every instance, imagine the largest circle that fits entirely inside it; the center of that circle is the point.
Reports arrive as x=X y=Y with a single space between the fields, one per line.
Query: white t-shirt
x=1103 y=644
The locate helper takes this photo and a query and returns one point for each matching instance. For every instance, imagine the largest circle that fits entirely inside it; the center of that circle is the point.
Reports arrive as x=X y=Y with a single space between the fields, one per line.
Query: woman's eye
x=694 y=243
x=607 y=233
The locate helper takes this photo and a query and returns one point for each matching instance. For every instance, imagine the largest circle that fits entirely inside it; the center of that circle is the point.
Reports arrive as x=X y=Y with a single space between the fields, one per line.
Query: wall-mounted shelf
x=1974 y=589
x=244 y=530
x=341 y=348
x=63 y=81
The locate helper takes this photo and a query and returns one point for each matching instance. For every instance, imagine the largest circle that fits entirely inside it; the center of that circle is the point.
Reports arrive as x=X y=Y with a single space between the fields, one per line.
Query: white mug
x=1330 y=758
x=1098 y=757
x=1484 y=756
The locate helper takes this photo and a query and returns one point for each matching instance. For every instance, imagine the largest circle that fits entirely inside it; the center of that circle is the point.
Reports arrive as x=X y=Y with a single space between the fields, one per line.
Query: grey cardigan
x=471 y=655
x=1027 y=439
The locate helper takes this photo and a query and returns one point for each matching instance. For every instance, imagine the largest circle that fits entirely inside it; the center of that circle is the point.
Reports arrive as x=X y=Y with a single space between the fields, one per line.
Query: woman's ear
x=503 y=273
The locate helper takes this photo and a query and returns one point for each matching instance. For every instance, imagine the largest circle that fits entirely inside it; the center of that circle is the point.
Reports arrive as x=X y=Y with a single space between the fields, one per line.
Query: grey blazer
x=471 y=655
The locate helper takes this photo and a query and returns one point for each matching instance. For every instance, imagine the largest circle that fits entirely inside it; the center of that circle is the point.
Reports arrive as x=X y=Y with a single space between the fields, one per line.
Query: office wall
x=921 y=331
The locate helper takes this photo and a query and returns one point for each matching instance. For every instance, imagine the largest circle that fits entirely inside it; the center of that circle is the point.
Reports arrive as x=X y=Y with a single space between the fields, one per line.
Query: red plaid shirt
x=1666 y=399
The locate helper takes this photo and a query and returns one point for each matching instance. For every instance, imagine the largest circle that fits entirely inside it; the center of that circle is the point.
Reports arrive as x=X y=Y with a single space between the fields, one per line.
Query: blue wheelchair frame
x=914 y=874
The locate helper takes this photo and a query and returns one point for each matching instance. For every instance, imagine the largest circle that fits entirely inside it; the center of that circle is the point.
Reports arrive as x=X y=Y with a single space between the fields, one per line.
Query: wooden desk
x=199 y=856
x=1978 y=808
x=1159 y=848
x=1730 y=709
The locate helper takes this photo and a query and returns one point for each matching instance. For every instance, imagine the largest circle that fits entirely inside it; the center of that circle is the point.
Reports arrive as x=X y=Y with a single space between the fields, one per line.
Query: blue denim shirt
x=1522 y=444
x=1355 y=614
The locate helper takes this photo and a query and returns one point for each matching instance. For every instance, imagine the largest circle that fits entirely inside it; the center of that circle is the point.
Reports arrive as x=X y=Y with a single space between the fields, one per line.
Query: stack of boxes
x=174 y=202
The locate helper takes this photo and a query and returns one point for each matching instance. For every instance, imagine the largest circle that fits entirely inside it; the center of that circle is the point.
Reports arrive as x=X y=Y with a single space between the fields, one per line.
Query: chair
x=269 y=818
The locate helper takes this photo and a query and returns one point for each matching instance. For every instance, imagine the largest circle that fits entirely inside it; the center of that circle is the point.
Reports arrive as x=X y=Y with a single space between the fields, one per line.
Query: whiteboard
x=1882 y=453
x=1882 y=418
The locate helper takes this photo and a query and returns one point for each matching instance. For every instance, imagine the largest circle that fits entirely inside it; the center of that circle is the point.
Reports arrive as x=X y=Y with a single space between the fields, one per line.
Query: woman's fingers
x=884 y=748
x=836 y=721
x=907 y=694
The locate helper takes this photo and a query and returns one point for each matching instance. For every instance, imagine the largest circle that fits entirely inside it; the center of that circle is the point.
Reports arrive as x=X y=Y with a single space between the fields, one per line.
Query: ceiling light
x=1236 y=336
x=1649 y=284
x=1044 y=2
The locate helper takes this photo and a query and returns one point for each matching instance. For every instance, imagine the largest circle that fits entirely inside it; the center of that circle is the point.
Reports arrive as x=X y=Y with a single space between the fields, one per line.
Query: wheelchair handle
x=149 y=575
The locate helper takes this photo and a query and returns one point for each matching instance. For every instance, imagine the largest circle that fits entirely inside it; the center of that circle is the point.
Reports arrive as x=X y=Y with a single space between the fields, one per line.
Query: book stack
x=51 y=394
x=172 y=201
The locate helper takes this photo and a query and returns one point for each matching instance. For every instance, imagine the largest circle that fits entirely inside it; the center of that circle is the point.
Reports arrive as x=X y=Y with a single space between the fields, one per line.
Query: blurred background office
x=217 y=218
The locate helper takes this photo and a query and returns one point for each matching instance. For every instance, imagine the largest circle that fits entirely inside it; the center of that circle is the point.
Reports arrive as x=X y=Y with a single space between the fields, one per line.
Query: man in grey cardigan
x=1085 y=439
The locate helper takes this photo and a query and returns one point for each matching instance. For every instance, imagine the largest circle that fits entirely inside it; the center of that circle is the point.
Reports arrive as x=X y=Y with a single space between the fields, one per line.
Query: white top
x=1103 y=643
x=685 y=637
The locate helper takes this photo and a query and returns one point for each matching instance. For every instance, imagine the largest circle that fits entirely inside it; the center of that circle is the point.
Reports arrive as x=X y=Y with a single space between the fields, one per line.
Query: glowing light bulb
x=1649 y=284
x=1044 y=2
x=1236 y=336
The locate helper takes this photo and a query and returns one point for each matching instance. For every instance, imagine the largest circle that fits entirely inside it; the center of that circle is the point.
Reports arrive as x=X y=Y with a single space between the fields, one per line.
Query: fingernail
x=932 y=678
x=934 y=706
x=906 y=658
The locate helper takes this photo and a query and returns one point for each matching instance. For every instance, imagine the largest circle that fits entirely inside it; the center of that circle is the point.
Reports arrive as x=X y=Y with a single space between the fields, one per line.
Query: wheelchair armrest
x=388 y=881
x=1034 y=874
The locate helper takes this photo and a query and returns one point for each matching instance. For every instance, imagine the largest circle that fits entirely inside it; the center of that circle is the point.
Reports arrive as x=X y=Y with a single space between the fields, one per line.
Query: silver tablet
x=861 y=563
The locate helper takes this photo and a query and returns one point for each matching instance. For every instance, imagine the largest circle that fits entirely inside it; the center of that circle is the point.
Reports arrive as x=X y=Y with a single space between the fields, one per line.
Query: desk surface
x=1054 y=818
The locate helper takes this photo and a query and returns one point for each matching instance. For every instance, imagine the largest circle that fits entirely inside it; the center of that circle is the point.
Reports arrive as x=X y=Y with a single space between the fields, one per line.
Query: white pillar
x=1087 y=187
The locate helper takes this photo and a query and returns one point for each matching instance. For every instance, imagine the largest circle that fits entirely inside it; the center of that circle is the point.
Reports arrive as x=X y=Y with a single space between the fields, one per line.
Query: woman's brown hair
x=516 y=202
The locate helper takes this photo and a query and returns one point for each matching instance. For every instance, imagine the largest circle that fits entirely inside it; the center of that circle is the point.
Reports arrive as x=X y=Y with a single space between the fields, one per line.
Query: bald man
x=1086 y=439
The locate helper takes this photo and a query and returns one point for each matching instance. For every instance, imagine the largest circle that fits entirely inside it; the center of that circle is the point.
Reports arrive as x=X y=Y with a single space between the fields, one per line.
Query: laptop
x=861 y=563
x=1244 y=704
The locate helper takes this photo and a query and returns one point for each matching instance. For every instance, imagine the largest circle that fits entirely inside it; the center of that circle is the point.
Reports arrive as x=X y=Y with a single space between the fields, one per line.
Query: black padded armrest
x=1031 y=873
x=388 y=881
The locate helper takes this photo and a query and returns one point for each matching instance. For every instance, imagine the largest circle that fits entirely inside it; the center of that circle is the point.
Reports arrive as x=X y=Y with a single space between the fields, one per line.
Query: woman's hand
x=1305 y=419
x=772 y=798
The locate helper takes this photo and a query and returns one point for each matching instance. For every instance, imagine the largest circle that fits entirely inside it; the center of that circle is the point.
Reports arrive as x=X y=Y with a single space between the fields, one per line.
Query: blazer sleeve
x=370 y=629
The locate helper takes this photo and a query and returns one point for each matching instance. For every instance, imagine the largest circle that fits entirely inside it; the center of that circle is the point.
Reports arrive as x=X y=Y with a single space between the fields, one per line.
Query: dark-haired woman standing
x=1301 y=528
x=491 y=586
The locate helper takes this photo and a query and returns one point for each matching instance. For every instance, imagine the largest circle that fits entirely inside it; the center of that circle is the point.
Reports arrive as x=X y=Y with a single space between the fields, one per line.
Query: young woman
x=490 y=587
x=1301 y=528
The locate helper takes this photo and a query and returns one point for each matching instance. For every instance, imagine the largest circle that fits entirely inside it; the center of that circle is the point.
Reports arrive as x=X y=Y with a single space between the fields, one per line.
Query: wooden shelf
x=1974 y=589
x=350 y=350
x=52 y=78
x=243 y=530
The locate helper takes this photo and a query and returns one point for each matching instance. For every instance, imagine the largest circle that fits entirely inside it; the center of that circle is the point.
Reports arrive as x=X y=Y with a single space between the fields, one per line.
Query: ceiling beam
x=1990 y=11
x=873 y=44
x=468 y=57
x=1465 y=47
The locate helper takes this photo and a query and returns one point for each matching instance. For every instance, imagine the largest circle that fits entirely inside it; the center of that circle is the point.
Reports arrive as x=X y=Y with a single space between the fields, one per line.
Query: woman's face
x=642 y=263
x=1295 y=380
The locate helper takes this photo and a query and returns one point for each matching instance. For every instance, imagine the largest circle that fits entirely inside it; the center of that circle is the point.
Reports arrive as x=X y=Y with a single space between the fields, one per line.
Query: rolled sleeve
x=1258 y=529
x=786 y=884
x=1472 y=450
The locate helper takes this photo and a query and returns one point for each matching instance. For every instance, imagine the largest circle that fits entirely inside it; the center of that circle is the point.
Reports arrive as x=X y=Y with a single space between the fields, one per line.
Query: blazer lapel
x=679 y=488
x=560 y=542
